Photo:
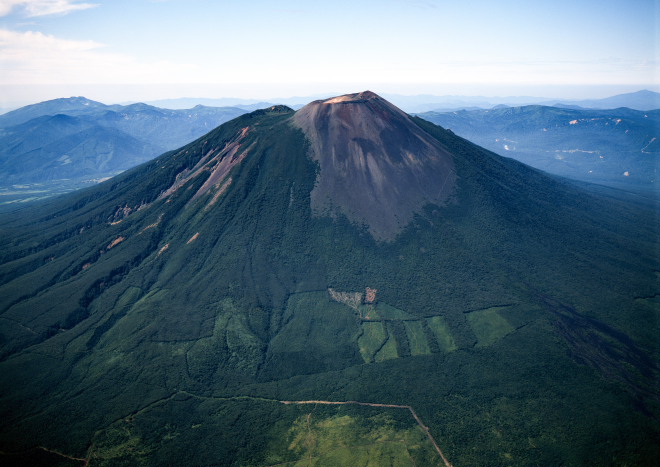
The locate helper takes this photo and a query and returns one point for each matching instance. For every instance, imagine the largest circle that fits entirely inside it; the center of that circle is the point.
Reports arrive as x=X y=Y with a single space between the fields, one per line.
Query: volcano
x=376 y=166
x=342 y=285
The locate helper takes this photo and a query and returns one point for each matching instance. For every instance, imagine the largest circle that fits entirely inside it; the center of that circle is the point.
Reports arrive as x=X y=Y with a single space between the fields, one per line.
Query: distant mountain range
x=640 y=100
x=615 y=147
x=77 y=139
x=246 y=104
x=64 y=144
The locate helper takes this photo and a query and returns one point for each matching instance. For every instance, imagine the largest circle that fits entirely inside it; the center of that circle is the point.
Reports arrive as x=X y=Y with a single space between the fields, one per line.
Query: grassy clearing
x=385 y=311
x=442 y=334
x=119 y=444
x=372 y=339
x=387 y=351
x=489 y=326
x=416 y=338
x=353 y=440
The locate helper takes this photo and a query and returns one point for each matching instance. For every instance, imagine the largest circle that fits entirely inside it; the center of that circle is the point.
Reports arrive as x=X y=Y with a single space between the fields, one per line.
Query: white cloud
x=37 y=58
x=33 y=8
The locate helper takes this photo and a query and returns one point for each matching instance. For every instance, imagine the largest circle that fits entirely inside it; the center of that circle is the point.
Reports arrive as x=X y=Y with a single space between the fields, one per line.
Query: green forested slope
x=147 y=321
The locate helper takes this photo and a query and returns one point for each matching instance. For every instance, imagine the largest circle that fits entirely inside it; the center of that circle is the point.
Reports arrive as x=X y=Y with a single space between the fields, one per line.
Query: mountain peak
x=377 y=167
x=352 y=98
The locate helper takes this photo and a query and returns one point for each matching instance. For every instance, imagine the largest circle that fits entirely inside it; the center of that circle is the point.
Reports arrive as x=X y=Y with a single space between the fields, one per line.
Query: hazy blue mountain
x=617 y=147
x=242 y=103
x=229 y=302
x=66 y=106
x=189 y=102
x=414 y=103
x=62 y=144
x=165 y=127
x=66 y=147
x=427 y=103
x=640 y=100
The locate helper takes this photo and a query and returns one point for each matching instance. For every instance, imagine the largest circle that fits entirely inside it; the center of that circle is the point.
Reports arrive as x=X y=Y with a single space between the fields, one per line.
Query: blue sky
x=121 y=50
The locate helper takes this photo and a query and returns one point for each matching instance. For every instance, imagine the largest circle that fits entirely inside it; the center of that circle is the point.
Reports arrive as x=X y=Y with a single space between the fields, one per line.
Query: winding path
x=86 y=460
x=80 y=459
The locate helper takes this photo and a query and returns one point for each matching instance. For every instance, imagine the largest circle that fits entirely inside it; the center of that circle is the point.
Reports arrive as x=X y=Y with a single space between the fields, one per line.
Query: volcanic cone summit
x=376 y=166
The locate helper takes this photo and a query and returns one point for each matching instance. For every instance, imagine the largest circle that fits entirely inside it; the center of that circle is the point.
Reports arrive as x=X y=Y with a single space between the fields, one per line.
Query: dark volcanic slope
x=160 y=317
x=376 y=166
